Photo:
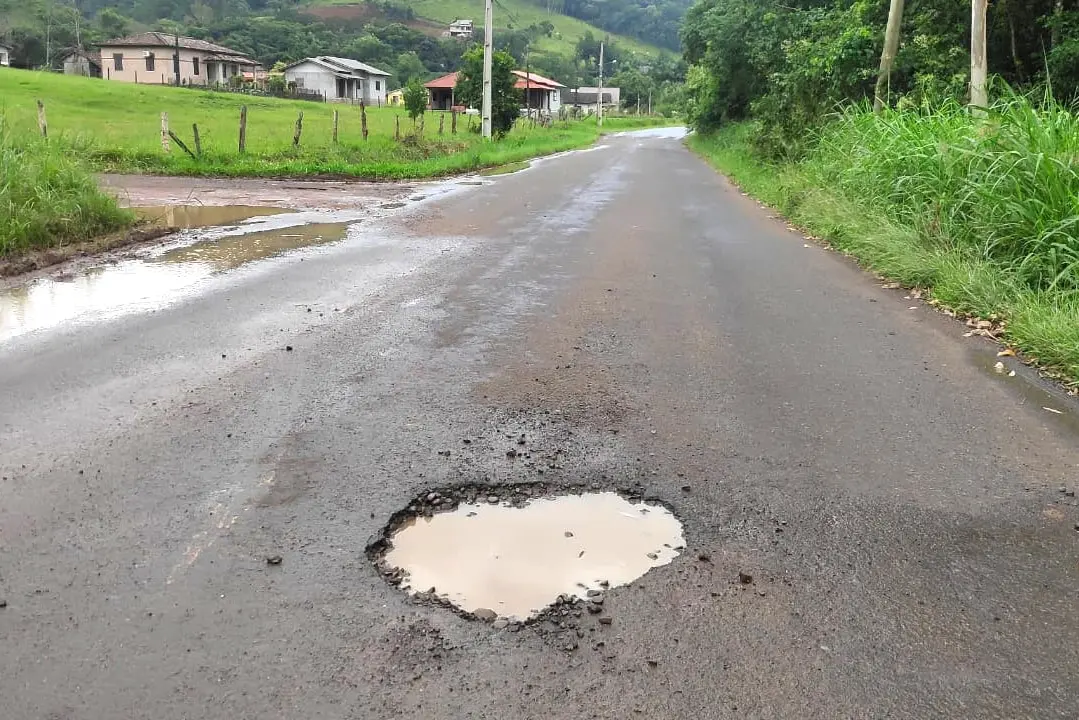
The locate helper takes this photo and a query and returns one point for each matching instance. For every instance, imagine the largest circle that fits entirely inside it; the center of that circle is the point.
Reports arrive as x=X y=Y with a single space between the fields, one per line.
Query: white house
x=5 y=55
x=461 y=29
x=339 y=79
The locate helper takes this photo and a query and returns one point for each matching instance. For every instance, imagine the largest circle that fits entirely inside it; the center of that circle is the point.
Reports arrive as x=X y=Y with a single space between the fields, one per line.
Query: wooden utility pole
x=887 y=58
x=599 y=95
x=243 y=128
x=334 y=127
x=363 y=121
x=979 y=64
x=488 y=51
x=165 y=131
x=198 y=140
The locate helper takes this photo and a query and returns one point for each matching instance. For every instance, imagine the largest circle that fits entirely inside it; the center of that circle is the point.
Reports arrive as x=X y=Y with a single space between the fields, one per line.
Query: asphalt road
x=897 y=503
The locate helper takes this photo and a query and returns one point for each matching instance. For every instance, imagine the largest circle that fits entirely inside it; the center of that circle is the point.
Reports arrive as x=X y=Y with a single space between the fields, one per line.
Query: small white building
x=587 y=98
x=461 y=29
x=339 y=79
x=5 y=55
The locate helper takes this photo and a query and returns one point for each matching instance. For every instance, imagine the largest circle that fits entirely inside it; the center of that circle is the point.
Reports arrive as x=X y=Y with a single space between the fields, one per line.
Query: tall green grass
x=1004 y=191
x=47 y=198
x=985 y=213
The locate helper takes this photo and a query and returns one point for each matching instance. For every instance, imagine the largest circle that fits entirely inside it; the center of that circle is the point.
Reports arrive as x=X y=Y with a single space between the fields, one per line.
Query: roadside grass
x=518 y=14
x=984 y=215
x=117 y=127
x=48 y=199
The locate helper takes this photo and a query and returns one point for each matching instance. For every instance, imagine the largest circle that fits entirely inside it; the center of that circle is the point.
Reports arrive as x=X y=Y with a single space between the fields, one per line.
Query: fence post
x=42 y=125
x=165 y=131
x=453 y=123
x=363 y=120
x=243 y=128
x=421 y=123
x=334 y=127
x=397 y=128
x=198 y=142
x=441 y=123
x=299 y=130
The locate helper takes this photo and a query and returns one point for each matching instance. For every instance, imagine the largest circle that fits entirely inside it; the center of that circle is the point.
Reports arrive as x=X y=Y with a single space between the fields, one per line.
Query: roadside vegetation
x=980 y=209
x=48 y=199
x=117 y=127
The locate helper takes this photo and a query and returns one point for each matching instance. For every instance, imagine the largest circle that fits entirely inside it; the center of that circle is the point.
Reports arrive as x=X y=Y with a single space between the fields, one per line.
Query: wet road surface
x=876 y=523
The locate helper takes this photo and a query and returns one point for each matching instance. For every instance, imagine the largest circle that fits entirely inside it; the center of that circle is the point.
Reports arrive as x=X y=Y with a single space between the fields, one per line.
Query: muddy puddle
x=157 y=276
x=516 y=561
x=199 y=216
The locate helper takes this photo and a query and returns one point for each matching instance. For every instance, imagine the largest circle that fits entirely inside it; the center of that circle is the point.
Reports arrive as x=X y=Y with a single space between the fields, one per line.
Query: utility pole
x=599 y=95
x=176 y=59
x=488 y=50
x=979 y=65
x=528 y=85
x=887 y=58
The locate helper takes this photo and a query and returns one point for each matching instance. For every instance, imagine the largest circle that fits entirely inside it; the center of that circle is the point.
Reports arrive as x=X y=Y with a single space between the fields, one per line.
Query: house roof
x=531 y=79
x=159 y=39
x=341 y=66
x=446 y=82
x=524 y=80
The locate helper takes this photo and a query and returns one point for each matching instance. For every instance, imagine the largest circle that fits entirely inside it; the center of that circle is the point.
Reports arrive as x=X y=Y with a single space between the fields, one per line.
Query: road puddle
x=159 y=276
x=198 y=216
x=228 y=253
x=515 y=561
x=1055 y=407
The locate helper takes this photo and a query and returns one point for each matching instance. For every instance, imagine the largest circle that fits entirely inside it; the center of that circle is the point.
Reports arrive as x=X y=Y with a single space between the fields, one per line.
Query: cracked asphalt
x=898 y=505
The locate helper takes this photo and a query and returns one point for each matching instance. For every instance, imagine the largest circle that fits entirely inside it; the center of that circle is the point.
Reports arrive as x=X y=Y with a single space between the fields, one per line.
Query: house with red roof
x=538 y=94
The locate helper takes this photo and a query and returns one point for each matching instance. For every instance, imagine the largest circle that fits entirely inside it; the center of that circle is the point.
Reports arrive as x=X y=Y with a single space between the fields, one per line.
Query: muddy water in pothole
x=517 y=560
x=149 y=281
x=196 y=216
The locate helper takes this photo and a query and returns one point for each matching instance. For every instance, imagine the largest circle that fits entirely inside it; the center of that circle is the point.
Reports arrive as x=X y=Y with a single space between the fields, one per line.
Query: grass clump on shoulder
x=48 y=198
x=984 y=212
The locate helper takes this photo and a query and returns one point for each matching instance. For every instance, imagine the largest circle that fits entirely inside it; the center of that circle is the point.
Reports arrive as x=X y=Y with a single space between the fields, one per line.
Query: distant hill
x=433 y=16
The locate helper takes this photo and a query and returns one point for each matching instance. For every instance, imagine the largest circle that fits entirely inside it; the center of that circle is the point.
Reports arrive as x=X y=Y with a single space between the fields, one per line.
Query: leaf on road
x=1006 y=352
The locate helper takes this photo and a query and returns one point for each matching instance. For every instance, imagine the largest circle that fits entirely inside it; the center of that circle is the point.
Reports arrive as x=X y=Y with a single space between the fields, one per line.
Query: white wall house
x=5 y=55
x=461 y=29
x=339 y=79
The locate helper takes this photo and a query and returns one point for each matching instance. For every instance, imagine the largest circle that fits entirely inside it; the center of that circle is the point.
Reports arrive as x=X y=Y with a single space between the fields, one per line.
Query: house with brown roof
x=538 y=94
x=151 y=58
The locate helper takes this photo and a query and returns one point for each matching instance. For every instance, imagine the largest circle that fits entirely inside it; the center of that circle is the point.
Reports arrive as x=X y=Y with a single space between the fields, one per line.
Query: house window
x=118 y=61
x=195 y=65
x=378 y=85
x=149 y=61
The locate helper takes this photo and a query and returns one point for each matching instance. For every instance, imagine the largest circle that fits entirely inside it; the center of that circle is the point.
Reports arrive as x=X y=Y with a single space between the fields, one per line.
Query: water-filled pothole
x=512 y=556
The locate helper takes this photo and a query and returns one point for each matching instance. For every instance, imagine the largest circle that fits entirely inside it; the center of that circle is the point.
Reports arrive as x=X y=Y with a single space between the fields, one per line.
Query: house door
x=341 y=88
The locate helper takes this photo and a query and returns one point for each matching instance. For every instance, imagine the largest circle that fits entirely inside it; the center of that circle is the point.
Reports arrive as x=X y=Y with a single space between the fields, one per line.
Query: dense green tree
x=505 y=98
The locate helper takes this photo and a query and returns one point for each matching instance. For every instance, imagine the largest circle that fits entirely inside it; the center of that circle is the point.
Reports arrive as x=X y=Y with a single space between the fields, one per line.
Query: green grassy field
x=980 y=214
x=48 y=197
x=117 y=126
x=520 y=15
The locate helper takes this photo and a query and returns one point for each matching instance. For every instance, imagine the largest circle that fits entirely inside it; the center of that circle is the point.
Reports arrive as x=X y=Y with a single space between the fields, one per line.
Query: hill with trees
x=404 y=37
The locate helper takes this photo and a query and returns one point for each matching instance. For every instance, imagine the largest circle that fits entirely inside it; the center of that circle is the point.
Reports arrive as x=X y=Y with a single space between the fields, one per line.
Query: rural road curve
x=898 y=504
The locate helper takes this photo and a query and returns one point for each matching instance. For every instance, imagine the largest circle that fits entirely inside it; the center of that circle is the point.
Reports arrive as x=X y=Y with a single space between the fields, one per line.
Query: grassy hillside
x=519 y=14
x=117 y=126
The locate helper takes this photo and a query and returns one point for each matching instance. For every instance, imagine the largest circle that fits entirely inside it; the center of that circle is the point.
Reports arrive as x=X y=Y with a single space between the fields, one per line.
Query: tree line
x=790 y=64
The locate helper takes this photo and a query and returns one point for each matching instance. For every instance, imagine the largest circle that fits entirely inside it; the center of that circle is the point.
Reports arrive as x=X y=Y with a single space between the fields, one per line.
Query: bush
x=48 y=199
